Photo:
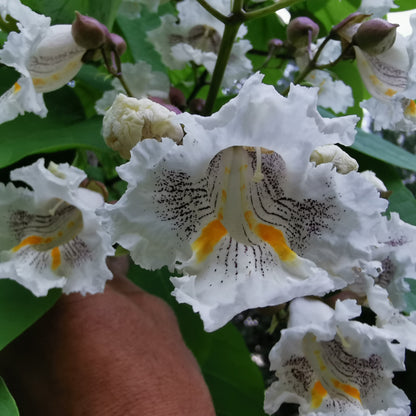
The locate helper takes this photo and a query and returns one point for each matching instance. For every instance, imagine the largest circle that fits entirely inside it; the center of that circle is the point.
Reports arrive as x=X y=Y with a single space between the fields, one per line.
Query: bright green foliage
x=62 y=11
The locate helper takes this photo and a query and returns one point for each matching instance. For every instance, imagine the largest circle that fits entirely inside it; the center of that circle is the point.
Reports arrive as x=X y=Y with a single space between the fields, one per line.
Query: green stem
x=213 y=11
x=124 y=84
x=310 y=66
x=227 y=42
x=237 y=6
x=265 y=11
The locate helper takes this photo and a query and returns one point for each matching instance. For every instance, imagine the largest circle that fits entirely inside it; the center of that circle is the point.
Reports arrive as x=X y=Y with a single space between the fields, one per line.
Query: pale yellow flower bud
x=129 y=121
x=331 y=153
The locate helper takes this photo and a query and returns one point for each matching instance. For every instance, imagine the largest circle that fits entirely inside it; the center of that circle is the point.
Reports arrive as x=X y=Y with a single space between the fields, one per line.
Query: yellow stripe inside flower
x=17 y=88
x=62 y=224
x=347 y=389
x=272 y=236
x=318 y=393
x=410 y=109
x=210 y=236
x=333 y=386
x=235 y=215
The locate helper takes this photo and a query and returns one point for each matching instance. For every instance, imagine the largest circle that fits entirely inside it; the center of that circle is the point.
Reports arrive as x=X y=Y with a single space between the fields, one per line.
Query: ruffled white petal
x=332 y=94
x=378 y=8
x=332 y=366
x=20 y=98
x=246 y=226
x=51 y=236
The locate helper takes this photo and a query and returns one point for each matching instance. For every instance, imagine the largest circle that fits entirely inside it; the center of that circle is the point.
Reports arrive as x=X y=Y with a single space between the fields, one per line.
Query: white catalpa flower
x=142 y=82
x=51 y=237
x=390 y=78
x=241 y=211
x=396 y=252
x=47 y=58
x=394 y=261
x=377 y=8
x=395 y=325
x=330 y=365
x=197 y=38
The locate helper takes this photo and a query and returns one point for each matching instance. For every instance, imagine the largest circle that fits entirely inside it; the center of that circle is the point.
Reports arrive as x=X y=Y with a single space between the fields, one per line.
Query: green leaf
x=7 y=404
x=30 y=135
x=135 y=33
x=63 y=11
x=375 y=146
x=378 y=148
x=404 y=5
x=331 y=12
x=401 y=200
x=235 y=382
x=19 y=309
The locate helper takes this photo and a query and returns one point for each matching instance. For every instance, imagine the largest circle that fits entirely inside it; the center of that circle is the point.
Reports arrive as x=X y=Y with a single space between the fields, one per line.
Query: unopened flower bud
x=375 y=36
x=275 y=44
x=88 y=32
x=300 y=30
x=331 y=153
x=118 y=42
x=95 y=186
x=129 y=121
x=177 y=98
x=196 y=106
x=347 y=27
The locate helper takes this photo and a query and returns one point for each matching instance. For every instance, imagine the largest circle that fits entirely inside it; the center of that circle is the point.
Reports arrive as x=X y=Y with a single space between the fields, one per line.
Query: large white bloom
x=330 y=365
x=390 y=77
x=142 y=82
x=241 y=211
x=197 y=38
x=46 y=56
x=50 y=236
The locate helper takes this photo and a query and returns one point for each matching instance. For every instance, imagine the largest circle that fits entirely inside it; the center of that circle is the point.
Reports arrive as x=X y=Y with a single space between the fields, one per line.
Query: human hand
x=116 y=353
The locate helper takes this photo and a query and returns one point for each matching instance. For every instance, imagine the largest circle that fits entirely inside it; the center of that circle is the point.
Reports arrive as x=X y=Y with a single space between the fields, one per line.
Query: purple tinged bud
x=275 y=44
x=118 y=43
x=196 y=106
x=300 y=30
x=375 y=36
x=177 y=98
x=88 y=32
x=346 y=28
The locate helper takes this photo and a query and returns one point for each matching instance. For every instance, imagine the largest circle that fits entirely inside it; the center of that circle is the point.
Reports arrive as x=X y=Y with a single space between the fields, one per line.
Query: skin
x=115 y=353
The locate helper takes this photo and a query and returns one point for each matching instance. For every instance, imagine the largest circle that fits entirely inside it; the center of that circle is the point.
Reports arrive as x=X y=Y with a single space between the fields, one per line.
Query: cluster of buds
x=92 y=35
